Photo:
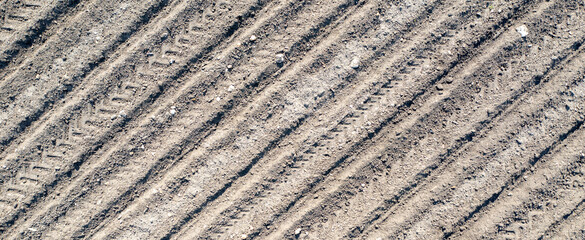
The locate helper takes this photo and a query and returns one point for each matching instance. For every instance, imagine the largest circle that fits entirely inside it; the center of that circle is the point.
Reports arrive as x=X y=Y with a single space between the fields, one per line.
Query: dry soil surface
x=286 y=119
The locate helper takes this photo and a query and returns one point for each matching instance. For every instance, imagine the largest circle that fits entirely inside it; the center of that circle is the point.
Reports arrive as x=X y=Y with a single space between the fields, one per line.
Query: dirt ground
x=320 y=119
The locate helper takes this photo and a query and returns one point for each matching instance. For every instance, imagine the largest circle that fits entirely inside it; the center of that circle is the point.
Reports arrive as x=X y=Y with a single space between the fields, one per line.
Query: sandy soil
x=322 y=119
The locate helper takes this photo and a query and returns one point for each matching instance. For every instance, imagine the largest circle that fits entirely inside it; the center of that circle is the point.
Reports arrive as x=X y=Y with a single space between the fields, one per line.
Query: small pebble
x=231 y=88
x=173 y=111
x=298 y=231
x=229 y=67
x=280 y=58
x=523 y=30
x=122 y=114
x=217 y=99
x=355 y=63
x=32 y=229
x=244 y=236
x=253 y=38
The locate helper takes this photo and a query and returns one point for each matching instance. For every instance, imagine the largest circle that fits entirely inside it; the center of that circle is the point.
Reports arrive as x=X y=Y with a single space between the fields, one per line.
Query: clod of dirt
x=355 y=63
x=523 y=30
x=280 y=58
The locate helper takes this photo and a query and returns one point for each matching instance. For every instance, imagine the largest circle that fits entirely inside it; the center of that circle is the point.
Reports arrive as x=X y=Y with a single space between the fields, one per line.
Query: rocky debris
x=523 y=30
x=355 y=63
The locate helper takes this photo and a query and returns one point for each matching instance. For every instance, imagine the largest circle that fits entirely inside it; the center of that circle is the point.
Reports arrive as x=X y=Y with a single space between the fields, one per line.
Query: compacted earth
x=286 y=119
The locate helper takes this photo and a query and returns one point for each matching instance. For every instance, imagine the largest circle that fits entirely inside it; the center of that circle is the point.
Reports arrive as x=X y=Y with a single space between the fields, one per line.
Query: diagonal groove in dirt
x=321 y=119
x=289 y=130
x=531 y=204
x=424 y=175
x=539 y=80
x=201 y=134
x=577 y=212
x=326 y=173
x=140 y=105
x=516 y=176
x=260 y=155
x=57 y=88
x=252 y=235
x=531 y=162
x=35 y=27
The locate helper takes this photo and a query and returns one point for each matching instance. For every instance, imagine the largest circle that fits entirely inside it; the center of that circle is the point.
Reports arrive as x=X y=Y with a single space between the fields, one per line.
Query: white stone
x=298 y=231
x=355 y=63
x=280 y=58
x=523 y=30
x=231 y=88
x=253 y=38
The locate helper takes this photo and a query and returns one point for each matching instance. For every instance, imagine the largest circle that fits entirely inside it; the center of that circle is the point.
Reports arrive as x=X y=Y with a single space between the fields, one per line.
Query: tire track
x=57 y=66
x=294 y=47
x=302 y=159
x=351 y=189
x=189 y=127
x=447 y=207
x=538 y=199
x=205 y=214
x=243 y=155
x=84 y=128
x=356 y=185
x=24 y=22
